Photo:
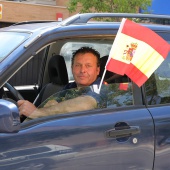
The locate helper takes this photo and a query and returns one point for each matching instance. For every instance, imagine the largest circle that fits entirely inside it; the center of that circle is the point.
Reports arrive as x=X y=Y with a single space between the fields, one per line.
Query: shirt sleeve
x=101 y=98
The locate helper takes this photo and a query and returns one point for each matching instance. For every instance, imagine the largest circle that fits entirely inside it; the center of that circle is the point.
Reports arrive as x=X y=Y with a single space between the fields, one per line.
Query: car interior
x=58 y=78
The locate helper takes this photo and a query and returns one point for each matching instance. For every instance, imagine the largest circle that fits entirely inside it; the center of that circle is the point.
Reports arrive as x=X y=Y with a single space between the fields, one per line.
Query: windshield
x=9 y=41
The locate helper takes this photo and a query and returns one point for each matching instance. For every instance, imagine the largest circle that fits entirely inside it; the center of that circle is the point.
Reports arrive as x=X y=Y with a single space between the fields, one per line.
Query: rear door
x=158 y=99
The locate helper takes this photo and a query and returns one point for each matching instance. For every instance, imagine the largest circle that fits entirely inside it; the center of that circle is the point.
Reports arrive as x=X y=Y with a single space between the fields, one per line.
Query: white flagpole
x=101 y=82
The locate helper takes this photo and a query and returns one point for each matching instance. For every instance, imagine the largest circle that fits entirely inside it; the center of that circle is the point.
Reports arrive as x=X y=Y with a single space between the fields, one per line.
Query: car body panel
x=85 y=135
x=161 y=118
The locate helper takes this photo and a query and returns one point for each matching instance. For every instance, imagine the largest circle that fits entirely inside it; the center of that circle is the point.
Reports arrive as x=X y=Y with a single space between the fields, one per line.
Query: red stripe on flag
x=136 y=75
x=148 y=36
x=123 y=86
x=116 y=66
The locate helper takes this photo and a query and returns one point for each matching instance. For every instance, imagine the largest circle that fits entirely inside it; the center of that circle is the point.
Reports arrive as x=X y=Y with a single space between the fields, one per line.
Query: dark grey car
x=130 y=132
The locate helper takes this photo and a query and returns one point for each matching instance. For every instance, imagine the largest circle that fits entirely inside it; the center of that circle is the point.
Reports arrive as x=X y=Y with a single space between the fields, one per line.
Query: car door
x=158 y=99
x=109 y=137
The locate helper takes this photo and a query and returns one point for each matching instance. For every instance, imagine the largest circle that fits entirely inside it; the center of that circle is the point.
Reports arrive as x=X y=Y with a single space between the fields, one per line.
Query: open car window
x=110 y=96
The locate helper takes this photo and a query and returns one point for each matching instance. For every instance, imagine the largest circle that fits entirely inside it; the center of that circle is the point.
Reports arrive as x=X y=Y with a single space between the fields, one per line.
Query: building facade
x=28 y=10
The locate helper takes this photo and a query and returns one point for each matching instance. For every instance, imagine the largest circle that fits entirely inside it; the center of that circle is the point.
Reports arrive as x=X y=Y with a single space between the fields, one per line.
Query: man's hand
x=25 y=107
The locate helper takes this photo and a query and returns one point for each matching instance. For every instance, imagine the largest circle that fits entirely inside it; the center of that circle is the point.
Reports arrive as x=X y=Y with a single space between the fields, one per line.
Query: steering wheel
x=17 y=97
x=14 y=92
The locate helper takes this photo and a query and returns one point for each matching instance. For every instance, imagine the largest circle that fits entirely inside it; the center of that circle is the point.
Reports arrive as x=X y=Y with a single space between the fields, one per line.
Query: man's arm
x=72 y=105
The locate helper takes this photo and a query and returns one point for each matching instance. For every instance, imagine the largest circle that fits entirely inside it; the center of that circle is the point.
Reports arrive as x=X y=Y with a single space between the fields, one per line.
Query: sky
x=160 y=7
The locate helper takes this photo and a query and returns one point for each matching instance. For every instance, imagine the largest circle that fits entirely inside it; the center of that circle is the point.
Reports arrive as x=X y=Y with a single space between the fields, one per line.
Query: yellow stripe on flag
x=0 y=11
x=147 y=59
x=120 y=47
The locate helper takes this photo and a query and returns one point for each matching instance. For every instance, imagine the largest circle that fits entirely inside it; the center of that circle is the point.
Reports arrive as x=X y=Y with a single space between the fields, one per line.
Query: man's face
x=84 y=69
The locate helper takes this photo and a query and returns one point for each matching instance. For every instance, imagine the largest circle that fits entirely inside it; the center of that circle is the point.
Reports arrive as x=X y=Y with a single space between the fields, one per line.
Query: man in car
x=85 y=69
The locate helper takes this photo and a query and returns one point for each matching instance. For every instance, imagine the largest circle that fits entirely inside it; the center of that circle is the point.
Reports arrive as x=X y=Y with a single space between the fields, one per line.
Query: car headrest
x=57 y=70
x=111 y=77
x=103 y=61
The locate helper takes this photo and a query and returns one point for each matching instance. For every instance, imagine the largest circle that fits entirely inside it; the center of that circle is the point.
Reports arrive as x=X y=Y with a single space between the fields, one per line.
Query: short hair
x=84 y=50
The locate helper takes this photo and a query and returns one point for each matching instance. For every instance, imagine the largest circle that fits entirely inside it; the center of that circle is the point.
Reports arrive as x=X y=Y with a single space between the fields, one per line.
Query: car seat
x=58 y=78
x=108 y=74
x=110 y=77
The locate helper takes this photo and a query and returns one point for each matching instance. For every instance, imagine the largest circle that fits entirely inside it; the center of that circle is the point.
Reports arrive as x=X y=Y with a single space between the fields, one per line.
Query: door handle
x=121 y=132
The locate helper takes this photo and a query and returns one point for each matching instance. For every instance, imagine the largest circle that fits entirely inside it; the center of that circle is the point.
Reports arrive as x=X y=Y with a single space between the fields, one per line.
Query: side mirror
x=9 y=117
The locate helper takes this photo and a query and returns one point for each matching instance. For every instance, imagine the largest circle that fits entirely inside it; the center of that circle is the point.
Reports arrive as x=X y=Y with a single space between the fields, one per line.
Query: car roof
x=31 y=27
x=84 y=18
x=155 y=22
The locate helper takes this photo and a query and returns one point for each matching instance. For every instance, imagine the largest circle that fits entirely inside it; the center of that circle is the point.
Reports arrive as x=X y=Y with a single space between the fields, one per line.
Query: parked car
x=130 y=132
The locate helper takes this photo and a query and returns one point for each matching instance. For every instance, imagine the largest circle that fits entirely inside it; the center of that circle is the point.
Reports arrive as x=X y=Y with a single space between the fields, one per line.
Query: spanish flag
x=137 y=52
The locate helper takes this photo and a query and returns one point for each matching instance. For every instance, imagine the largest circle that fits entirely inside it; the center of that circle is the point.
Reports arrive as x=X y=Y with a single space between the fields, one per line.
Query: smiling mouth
x=81 y=77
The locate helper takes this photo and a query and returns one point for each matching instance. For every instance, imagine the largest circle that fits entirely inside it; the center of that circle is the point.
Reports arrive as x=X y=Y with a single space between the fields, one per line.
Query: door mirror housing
x=9 y=117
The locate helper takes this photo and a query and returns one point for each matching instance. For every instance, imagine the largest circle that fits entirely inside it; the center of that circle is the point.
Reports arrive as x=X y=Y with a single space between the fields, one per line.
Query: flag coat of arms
x=137 y=52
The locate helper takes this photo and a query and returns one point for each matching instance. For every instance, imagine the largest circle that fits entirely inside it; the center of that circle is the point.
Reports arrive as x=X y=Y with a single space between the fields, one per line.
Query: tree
x=116 y=6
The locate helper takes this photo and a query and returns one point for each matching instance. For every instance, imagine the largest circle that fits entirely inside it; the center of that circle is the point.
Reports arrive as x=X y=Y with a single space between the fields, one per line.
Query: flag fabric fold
x=137 y=52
